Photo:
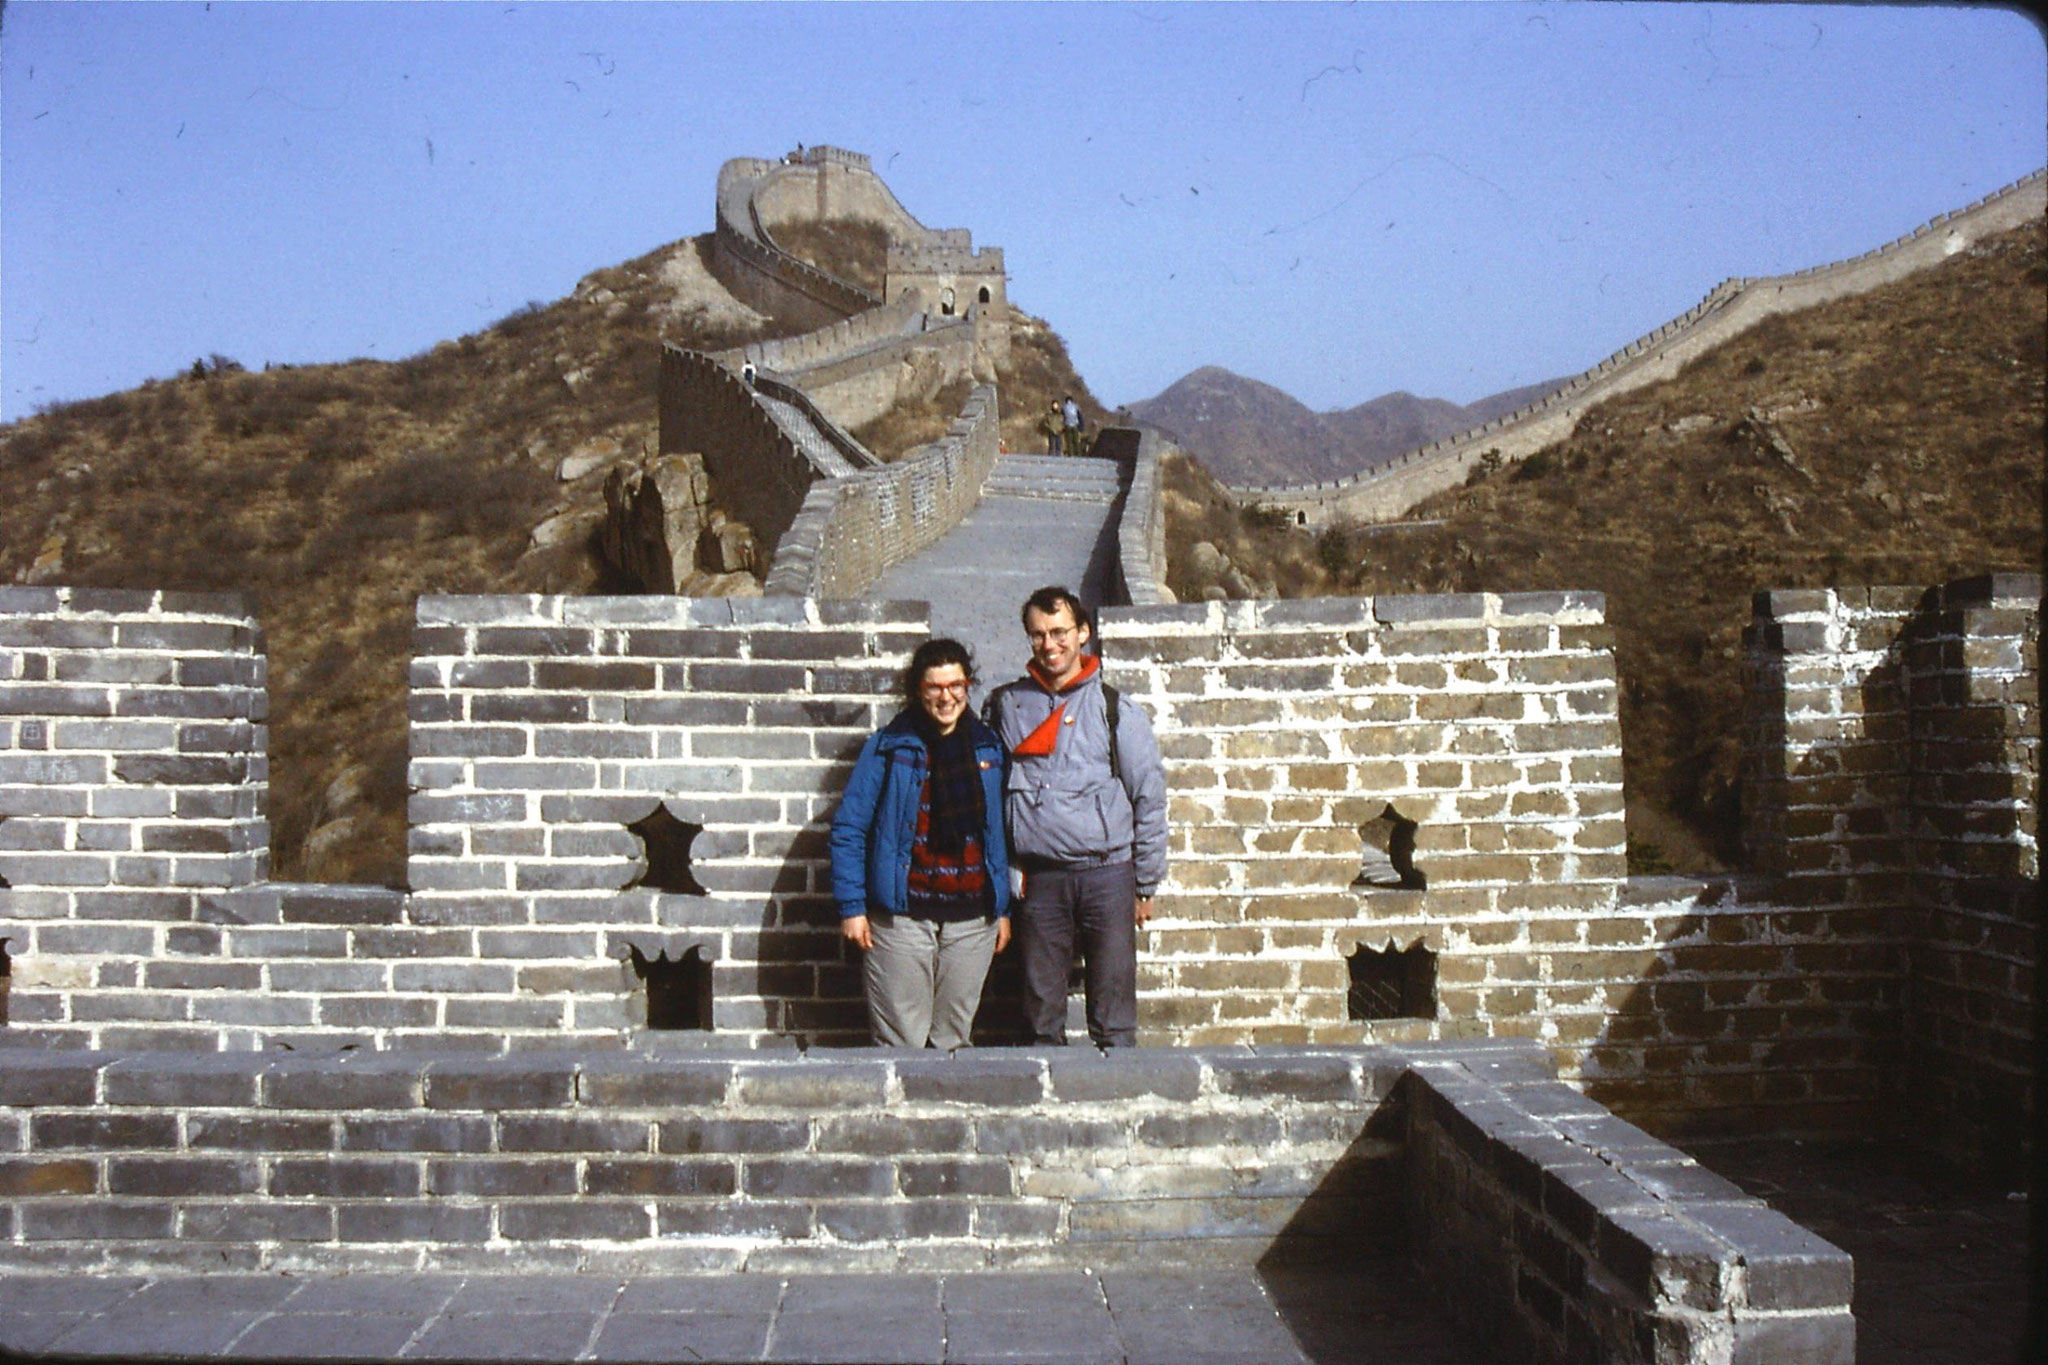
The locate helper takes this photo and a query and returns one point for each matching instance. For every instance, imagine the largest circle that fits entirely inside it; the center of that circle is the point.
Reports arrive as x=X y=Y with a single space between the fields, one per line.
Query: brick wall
x=757 y=473
x=700 y=1161
x=544 y=727
x=132 y=767
x=1892 y=763
x=849 y=530
x=1556 y=1232
x=1490 y=721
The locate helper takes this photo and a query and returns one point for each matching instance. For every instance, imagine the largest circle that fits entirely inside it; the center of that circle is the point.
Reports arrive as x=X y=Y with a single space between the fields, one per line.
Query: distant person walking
x=1076 y=424
x=919 y=861
x=1054 y=425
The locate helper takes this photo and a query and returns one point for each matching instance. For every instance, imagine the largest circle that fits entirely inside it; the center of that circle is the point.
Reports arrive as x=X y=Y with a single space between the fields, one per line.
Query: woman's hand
x=1002 y=932
x=854 y=929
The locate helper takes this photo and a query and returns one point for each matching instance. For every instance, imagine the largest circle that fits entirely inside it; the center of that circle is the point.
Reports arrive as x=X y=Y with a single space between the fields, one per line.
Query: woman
x=919 y=866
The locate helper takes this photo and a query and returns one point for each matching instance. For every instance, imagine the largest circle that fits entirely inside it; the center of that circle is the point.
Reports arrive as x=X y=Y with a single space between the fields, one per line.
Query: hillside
x=1248 y=432
x=335 y=494
x=1894 y=437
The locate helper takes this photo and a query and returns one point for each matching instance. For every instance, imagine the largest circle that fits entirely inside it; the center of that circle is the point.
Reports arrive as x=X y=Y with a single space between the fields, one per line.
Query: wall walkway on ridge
x=1039 y=521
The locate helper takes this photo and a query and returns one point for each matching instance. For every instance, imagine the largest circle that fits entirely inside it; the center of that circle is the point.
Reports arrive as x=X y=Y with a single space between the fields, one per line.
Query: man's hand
x=1144 y=910
x=854 y=929
x=1002 y=932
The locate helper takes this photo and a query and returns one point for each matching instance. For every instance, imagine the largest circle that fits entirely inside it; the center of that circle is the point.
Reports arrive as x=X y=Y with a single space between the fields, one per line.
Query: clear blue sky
x=1451 y=199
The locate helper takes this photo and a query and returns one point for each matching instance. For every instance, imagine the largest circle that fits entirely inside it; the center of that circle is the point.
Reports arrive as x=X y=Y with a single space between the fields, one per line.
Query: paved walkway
x=1365 y=1316
x=977 y=577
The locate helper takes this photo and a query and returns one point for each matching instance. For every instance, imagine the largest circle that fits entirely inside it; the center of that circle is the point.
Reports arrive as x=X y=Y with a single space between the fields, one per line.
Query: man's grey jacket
x=1063 y=805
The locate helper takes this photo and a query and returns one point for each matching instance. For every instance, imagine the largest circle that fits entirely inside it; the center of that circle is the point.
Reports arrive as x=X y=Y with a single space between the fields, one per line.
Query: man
x=1086 y=807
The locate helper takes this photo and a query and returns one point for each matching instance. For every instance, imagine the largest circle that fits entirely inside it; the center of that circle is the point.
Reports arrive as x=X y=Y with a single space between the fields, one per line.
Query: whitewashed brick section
x=1287 y=726
x=544 y=727
x=132 y=764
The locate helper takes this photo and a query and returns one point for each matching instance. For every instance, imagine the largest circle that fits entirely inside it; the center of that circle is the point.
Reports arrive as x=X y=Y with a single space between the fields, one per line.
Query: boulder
x=654 y=520
x=1206 y=563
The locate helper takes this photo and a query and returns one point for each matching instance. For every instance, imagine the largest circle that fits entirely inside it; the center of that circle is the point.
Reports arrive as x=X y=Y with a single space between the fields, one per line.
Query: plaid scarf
x=959 y=810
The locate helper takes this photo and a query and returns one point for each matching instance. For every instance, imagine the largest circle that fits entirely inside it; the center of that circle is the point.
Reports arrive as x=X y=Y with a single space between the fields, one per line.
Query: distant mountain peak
x=1248 y=431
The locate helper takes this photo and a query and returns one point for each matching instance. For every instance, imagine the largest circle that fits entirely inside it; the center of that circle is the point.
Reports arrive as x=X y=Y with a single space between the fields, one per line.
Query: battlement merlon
x=820 y=156
x=904 y=258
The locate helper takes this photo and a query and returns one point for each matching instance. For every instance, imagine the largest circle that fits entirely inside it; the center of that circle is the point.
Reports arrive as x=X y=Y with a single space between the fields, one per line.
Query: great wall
x=609 y=1023
x=1385 y=490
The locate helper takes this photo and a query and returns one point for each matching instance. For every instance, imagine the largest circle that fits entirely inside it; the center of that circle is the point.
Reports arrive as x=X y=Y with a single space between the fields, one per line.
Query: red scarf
x=1041 y=741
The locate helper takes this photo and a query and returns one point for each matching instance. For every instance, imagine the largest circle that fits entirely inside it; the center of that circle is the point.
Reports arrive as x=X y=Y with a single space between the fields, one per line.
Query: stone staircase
x=1053 y=477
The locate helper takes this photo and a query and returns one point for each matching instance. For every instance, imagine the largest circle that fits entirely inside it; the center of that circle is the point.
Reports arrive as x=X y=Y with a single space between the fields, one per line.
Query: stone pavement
x=978 y=575
x=1367 y=1315
x=1941 y=1265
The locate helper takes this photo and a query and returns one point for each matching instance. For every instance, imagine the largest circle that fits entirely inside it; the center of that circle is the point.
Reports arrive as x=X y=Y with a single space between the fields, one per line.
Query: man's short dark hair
x=1048 y=600
x=935 y=653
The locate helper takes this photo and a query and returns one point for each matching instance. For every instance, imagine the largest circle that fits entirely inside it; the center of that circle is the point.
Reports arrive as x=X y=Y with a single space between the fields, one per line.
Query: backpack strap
x=1110 y=698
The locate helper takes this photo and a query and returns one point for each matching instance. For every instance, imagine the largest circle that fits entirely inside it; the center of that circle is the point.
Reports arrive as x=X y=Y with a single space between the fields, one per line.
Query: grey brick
x=815 y=1178
x=343 y=1084
x=197 y=940
x=269 y=1221
x=17 y=633
x=684 y=644
x=128 y=1006
x=888 y=1134
x=184 y=769
x=191 y=703
x=96 y=1221
x=571 y=1133
x=436 y=1133
x=692 y=712
x=550 y=641
x=431 y=1221
x=1807 y=1339
x=1026 y=1133
x=611 y=876
x=503 y=1176
x=1008 y=1221
x=345 y=1178
x=811 y=1086
x=341 y=905
x=578 y=1220
x=256 y=1133
x=103 y=1130
x=1307 y=1077
x=202 y=976
x=659 y=1178
x=183 y=1175
x=506 y=1014
x=476 y=978
x=28 y=1079
x=513 y=1083
x=783 y=1220
x=95 y=940
x=53 y=701
x=1661 y=1257
x=693 y=1133
x=773 y=679
x=969 y=1175
x=870 y=1222
x=1788 y=1266
x=530 y=708
x=411 y=942
x=1087 y=1075
x=217 y=1080
x=500 y=808
x=377 y=1011
x=184 y=636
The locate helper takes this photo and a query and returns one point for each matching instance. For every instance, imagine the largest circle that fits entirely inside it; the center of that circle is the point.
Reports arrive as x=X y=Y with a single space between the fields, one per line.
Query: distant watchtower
x=955 y=280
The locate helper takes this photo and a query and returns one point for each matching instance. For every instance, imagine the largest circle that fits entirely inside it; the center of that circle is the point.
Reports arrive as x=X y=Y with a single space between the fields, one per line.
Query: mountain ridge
x=1248 y=431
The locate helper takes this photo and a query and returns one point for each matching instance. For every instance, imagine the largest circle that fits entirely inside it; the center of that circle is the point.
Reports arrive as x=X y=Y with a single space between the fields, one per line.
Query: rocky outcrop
x=661 y=532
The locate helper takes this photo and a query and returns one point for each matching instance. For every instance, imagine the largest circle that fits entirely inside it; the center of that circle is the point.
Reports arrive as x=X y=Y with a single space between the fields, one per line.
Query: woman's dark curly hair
x=935 y=653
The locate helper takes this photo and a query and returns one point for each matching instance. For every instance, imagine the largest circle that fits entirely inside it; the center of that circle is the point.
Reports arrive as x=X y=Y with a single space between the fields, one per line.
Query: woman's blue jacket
x=877 y=819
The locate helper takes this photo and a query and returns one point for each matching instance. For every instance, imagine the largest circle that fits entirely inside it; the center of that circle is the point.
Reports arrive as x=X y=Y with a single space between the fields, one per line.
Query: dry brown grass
x=1917 y=413
x=845 y=248
x=907 y=426
x=335 y=495
x=1039 y=372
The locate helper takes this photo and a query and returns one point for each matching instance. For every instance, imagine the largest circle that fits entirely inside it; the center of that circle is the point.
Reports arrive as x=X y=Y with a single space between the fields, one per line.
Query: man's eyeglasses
x=1058 y=635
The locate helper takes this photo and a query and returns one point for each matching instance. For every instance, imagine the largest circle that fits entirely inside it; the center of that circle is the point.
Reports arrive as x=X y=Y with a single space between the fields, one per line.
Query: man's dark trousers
x=1096 y=906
